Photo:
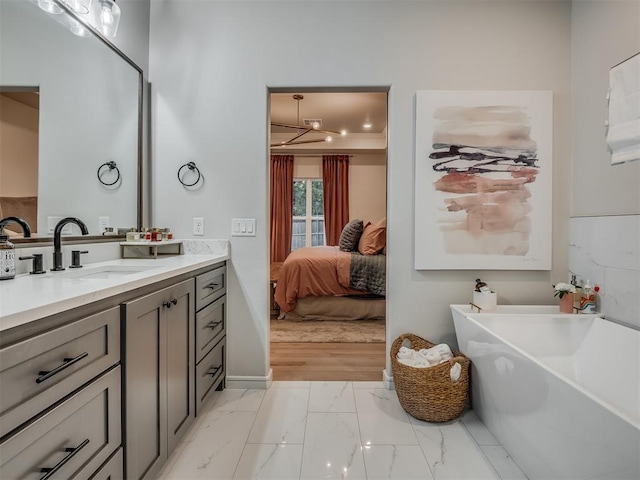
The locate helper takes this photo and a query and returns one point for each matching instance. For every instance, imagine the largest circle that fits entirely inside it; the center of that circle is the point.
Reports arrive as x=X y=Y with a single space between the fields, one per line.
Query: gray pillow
x=350 y=236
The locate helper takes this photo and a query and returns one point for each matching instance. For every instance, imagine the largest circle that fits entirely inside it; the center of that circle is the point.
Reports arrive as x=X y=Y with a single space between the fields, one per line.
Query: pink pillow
x=373 y=239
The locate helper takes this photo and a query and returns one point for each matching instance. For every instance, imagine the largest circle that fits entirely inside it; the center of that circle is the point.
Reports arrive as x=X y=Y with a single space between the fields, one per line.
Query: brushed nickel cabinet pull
x=72 y=451
x=47 y=374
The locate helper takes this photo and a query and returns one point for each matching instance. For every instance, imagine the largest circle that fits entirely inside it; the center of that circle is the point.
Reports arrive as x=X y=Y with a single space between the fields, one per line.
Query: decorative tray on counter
x=146 y=249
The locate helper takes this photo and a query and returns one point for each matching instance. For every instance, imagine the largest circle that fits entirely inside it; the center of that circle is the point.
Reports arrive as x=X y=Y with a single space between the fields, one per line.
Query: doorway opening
x=328 y=205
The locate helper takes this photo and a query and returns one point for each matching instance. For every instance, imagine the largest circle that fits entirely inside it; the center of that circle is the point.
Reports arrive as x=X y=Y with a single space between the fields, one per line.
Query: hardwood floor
x=328 y=361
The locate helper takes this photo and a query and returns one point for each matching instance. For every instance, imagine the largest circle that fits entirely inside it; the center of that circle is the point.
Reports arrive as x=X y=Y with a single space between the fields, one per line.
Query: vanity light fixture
x=50 y=6
x=109 y=17
x=78 y=28
x=79 y=6
x=104 y=15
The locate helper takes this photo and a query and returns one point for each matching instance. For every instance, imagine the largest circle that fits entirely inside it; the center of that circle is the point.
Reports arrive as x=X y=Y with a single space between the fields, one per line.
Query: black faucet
x=26 y=230
x=57 y=233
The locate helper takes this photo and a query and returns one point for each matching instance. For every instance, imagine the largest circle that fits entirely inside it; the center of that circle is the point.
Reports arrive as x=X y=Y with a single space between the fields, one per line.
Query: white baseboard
x=387 y=380
x=247 y=382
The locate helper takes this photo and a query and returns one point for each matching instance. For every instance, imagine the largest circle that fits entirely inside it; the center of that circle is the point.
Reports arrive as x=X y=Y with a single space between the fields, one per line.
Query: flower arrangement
x=563 y=288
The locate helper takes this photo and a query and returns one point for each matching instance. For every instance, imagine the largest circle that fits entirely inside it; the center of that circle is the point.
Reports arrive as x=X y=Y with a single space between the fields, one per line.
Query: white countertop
x=30 y=297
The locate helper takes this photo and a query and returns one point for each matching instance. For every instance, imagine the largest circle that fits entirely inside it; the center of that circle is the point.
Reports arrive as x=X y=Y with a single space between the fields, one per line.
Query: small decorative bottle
x=7 y=258
x=587 y=299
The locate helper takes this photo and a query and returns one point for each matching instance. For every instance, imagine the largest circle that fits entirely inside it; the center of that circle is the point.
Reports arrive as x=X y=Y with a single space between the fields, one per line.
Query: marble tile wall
x=606 y=250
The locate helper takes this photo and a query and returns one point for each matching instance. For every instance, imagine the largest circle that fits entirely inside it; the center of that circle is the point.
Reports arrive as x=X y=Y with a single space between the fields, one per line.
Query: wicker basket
x=429 y=393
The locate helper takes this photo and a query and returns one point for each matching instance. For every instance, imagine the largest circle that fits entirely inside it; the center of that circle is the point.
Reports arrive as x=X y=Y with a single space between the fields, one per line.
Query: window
x=308 y=213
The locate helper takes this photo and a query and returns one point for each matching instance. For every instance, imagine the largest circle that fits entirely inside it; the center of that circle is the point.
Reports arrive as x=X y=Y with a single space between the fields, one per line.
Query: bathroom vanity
x=103 y=369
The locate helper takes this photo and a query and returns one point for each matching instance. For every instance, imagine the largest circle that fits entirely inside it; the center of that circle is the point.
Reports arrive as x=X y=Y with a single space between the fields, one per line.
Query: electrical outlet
x=198 y=225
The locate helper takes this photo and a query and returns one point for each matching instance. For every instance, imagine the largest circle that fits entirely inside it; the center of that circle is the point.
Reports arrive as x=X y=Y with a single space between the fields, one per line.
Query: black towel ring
x=112 y=166
x=192 y=167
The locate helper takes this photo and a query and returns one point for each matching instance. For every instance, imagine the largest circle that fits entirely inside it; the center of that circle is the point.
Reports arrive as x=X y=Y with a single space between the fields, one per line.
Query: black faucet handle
x=36 y=266
x=75 y=258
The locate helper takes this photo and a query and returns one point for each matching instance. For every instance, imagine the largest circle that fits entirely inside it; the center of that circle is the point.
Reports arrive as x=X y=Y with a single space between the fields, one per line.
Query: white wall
x=211 y=63
x=604 y=241
x=604 y=33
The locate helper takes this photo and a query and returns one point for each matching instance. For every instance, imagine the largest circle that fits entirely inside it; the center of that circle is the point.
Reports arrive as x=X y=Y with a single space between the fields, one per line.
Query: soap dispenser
x=7 y=258
x=588 y=299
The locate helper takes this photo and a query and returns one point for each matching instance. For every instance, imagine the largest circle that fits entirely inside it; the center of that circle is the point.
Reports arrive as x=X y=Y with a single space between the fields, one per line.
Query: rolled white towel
x=455 y=372
x=405 y=353
x=444 y=350
x=437 y=354
x=407 y=361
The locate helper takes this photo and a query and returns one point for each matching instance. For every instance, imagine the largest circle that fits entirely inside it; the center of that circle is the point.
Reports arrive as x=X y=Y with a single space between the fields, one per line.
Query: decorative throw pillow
x=373 y=239
x=350 y=236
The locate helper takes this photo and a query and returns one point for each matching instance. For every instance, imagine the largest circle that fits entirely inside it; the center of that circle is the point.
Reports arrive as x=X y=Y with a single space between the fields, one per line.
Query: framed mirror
x=71 y=108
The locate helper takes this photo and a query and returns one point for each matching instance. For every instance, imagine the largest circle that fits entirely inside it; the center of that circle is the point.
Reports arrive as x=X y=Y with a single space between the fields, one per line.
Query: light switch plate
x=243 y=227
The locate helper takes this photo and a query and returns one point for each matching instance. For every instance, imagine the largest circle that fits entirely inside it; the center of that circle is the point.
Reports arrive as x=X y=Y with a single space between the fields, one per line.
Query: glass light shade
x=50 y=6
x=78 y=28
x=108 y=18
x=79 y=6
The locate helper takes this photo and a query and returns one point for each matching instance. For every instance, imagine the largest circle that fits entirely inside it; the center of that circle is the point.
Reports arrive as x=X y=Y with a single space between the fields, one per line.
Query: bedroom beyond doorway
x=328 y=176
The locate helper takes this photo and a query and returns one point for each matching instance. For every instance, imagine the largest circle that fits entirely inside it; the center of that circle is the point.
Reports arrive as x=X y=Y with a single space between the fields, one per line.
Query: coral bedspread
x=314 y=271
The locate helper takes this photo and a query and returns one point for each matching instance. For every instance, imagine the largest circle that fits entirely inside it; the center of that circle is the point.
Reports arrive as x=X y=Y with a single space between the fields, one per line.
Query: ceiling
x=338 y=111
x=30 y=99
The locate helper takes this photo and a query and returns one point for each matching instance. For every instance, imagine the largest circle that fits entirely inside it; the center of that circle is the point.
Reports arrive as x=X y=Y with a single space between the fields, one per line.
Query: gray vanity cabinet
x=60 y=399
x=211 y=323
x=159 y=376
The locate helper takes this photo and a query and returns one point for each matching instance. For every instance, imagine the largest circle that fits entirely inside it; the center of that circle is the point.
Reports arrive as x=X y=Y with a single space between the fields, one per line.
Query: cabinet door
x=180 y=325
x=145 y=384
x=159 y=376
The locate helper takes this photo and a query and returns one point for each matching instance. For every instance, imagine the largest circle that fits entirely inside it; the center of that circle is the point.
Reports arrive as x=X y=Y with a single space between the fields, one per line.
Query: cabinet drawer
x=112 y=470
x=41 y=370
x=210 y=326
x=210 y=285
x=73 y=439
x=210 y=373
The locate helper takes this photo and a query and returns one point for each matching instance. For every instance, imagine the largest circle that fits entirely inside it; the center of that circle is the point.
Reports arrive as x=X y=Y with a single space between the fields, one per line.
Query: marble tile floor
x=332 y=430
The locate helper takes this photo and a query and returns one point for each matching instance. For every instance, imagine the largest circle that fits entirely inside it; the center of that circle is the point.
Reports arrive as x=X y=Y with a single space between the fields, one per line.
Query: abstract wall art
x=483 y=180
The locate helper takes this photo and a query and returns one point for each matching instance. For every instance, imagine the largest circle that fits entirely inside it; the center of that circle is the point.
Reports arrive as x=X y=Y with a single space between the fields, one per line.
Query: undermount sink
x=104 y=272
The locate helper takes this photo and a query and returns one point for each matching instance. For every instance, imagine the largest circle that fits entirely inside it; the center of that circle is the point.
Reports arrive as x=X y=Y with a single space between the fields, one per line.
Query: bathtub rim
x=469 y=316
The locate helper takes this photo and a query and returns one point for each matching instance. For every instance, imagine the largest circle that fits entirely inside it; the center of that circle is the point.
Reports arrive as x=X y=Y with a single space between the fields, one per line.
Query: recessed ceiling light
x=343 y=132
x=366 y=125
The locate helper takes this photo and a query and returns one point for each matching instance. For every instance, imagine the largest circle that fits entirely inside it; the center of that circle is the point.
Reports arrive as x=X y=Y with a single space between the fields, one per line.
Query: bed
x=327 y=283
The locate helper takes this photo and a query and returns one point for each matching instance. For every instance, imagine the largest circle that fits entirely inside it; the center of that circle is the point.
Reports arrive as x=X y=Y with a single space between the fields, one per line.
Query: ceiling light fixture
x=367 y=125
x=314 y=127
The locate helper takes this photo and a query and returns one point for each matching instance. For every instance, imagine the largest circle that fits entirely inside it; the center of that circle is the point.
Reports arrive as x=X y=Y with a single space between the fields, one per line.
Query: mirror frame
x=37 y=241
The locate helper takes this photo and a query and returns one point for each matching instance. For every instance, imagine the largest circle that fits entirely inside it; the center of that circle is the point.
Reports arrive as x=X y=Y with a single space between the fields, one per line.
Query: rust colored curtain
x=335 y=179
x=281 y=206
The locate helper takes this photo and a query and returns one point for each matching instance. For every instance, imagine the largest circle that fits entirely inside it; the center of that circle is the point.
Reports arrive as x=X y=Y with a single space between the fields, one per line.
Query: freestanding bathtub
x=560 y=392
